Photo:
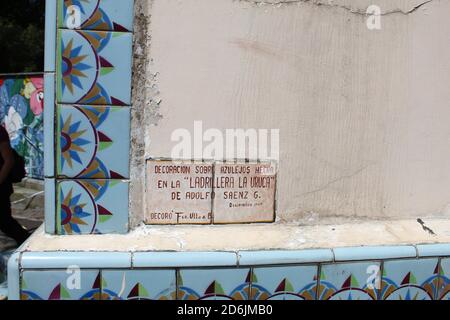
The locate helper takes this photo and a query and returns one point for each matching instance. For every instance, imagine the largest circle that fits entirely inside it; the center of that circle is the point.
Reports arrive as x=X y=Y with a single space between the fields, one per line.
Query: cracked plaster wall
x=363 y=114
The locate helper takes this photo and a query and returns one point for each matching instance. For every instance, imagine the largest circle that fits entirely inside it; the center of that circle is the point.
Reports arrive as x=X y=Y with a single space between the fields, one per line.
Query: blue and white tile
x=49 y=125
x=94 y=67
x=92 y=142
x=214 y=284
x=410 y=279
x=92 y=206
x=107 y=15
x=50 y=205
x=152 y=284
x=50 y=35
x=350 y=281
x=284 y=283
x=70 y=284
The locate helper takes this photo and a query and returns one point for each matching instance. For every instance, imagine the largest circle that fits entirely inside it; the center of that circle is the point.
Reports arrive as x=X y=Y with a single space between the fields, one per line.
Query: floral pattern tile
x=139 y=284
x=410 y=279
x=349 y=281
x=214 y=284
x=92 y=207
x=60 y=285
x=91 y=142
x=106 y=15
x=94 y=67
x=284 y=283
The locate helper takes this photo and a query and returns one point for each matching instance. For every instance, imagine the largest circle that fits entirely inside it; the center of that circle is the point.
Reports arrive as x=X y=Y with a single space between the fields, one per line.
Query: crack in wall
x=325 y=186
x=330 y=4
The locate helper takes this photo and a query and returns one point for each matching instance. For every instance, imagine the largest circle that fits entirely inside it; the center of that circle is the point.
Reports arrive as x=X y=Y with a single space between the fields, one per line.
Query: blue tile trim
x=374 y=253
x=49 y=125
x=50 y=36
x=50 y=206
x=14 y=277
x=86 y=260
x=434 y=250
x=247 y=258
x=183 y=259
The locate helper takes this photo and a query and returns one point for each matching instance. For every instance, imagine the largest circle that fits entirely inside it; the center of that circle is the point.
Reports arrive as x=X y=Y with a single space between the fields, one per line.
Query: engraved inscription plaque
x=178 y=192
x=244 y=192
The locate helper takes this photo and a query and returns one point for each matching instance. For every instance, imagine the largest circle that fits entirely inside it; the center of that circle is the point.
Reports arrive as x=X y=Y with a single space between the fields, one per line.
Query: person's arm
x=8 y=161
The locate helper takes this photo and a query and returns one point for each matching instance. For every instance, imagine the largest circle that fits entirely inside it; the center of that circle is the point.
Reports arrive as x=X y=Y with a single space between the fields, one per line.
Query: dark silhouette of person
x=8 y=225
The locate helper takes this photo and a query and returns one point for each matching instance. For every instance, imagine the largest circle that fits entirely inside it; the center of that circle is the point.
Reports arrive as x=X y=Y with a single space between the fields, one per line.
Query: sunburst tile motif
x=284 y=283
x=410 y=279
x=72 y=66
x=94 y=67
x=72 y=213
x=72 y=143
x=349 y=281
x=218 y=284
x=91 y=140
x=139 y=284
x=106 y=15
x=94 y=206
x=54 y=285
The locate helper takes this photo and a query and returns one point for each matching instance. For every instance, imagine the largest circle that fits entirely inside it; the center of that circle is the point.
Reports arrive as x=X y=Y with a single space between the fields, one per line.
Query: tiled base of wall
x=425 y=278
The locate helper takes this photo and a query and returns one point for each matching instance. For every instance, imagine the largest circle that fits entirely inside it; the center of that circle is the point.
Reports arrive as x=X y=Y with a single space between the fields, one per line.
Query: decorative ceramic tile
x=92 y=206
x=94 y=67
x=107 y=15
x=444 y=283
x=214 y=284
x=92 y=142
x=49 y=205
x=284 y=283
x=73 y=284
x=349 y=281
x=50 y=35
x=244 y=192
x=415 y=279
x=178 y=192
x=139 y=284
x=49 y=125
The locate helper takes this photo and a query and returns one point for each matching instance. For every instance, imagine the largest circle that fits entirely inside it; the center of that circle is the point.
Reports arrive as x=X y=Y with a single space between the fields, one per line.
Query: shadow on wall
x=21 y=113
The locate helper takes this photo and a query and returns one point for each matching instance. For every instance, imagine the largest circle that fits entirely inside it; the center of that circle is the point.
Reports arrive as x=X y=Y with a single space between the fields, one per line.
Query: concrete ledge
x=257 y=237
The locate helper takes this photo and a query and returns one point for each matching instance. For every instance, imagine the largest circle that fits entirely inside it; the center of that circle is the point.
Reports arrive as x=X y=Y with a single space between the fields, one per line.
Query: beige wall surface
x=364 y=115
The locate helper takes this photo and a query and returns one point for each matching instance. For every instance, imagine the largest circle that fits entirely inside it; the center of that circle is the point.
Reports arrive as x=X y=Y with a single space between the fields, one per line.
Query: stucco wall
x=363 y=115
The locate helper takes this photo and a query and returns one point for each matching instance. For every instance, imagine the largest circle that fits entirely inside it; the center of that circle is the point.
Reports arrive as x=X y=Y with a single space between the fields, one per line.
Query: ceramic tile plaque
x=244 y=192
x=178 y=192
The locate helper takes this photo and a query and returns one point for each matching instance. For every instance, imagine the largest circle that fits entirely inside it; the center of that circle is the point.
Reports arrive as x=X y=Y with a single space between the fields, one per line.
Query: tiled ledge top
x=171 y=246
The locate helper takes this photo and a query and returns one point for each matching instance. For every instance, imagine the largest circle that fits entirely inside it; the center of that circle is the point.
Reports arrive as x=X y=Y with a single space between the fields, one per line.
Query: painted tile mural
x=60 y=285
x=107 y=15
x=410 y=279
x=92 y=207
x=214 y=284
x=21 y=113
x=349 y=281
x=94 y=67
x=139 y=284
x=91 y=142
x=284 y=283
